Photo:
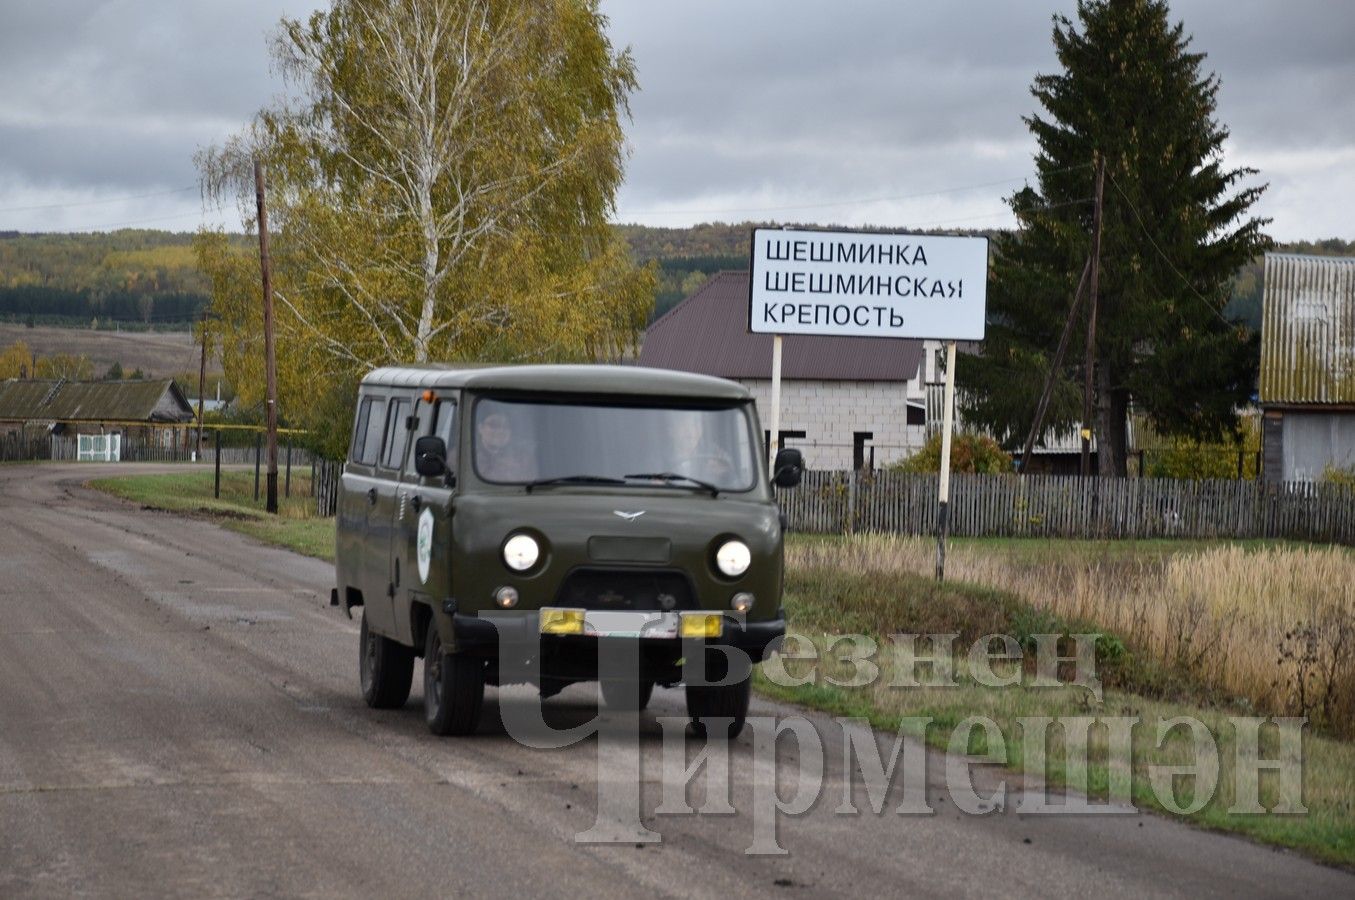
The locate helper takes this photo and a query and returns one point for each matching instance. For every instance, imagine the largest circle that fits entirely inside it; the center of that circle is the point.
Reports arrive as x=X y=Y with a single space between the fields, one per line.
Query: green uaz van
x=551 y=509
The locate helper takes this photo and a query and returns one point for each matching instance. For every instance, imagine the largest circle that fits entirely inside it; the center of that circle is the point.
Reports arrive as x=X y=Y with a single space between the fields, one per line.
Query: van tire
x=385 y=669
x=453 y=688
x=627 y=695
x=726 y=701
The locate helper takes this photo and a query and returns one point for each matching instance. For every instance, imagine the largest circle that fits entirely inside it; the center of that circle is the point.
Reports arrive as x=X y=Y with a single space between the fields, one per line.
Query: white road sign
x=867 y=284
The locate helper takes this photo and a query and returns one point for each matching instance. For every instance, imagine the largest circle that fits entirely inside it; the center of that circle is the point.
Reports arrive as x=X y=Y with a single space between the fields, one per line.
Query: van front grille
x=631 y=589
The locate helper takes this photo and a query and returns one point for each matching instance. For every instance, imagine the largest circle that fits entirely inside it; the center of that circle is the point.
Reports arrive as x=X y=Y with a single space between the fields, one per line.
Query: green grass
x=825 y=602
x=295 y=527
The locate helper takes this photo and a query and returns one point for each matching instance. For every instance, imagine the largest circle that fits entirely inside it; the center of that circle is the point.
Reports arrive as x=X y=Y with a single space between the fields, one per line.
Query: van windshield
x=518 y=442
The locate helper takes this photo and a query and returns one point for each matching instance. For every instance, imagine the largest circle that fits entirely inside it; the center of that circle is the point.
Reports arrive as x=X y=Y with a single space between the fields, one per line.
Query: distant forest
x=149 y=279
x=120 y=278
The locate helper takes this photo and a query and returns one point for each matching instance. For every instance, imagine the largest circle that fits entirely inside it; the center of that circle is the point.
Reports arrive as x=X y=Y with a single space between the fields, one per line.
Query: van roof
x=570 y=379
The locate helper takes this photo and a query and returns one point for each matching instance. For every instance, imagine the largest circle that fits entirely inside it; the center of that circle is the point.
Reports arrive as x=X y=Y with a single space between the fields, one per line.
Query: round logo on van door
x=424 y=543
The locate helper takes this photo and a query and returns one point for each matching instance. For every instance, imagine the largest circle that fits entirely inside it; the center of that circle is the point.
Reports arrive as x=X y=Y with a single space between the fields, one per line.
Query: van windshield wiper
x=573 y=479
x=674 y=476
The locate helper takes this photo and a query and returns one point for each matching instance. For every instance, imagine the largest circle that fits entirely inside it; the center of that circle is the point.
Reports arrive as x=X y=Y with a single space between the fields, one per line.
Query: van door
x=356 y=554
x=381 y=570
x=424 y=532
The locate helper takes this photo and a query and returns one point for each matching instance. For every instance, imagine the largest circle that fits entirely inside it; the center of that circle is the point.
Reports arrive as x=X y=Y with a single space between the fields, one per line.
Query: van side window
x=360 y=430
x=441 y=421
x=395 y=434
x=446 y=428
x=367 y=438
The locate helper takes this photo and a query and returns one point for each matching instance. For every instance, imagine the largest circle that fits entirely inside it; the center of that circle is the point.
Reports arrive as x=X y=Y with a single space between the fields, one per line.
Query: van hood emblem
x=628 y=516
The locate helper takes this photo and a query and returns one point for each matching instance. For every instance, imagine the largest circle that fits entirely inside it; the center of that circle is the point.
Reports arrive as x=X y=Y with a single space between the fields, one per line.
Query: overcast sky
x=856 y=112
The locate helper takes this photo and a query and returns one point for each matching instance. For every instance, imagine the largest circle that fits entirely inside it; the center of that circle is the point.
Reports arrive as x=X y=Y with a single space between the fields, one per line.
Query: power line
x=181 y=190
x=1029 y=209
x=753 y=209
x=140 y=221
x=1184 y=280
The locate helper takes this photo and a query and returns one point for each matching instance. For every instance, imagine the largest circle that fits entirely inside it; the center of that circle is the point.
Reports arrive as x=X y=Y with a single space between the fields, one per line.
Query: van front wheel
x=453 y=688
x=385 y=669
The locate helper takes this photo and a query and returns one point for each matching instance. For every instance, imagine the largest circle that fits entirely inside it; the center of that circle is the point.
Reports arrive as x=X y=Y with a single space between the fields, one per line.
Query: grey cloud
x=800 y=102
x=91 y=157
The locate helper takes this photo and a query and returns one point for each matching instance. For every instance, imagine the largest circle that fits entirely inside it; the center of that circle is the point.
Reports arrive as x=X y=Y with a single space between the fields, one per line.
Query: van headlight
x=733 y=558
x=521 y=552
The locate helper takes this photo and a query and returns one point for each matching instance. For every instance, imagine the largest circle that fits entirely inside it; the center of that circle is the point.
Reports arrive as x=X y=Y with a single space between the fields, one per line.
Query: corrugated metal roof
x=1308 y=329
x=94 y=401
x=708 y=333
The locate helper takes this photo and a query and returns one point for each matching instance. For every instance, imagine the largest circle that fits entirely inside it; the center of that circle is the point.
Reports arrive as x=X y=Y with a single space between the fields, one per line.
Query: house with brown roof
x=31 y=408
x=845 y=402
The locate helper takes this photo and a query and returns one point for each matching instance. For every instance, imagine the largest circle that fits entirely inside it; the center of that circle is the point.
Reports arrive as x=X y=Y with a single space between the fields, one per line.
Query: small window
x=360 y=430
x=446 y=426
x=367 y=437
x=396 y=432
x=442 y=423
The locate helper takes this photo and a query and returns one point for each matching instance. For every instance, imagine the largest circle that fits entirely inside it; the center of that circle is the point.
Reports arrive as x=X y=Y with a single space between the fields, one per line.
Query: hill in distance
x=144 y=279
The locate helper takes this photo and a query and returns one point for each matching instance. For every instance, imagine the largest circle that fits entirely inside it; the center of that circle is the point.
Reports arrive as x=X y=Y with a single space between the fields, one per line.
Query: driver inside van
x=695 y=454
x=499 y=455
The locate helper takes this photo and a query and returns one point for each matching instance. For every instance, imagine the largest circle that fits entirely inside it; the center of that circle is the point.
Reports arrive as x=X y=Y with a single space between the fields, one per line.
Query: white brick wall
x=830 y=411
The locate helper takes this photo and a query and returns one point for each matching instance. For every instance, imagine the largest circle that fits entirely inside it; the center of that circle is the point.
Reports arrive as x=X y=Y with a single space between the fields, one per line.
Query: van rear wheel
x=385 y=669
x=627 y=695
x=453 y=688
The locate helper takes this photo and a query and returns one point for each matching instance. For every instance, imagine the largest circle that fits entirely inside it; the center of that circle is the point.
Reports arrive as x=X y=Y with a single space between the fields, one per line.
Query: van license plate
x=619 y=623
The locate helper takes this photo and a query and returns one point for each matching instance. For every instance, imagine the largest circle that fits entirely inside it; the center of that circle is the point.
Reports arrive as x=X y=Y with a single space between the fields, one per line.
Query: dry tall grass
x=1271 y=627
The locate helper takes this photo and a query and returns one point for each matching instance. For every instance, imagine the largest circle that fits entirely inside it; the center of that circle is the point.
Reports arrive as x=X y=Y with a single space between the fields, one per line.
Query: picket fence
x=18 y=446
x=1070 y=507
x=1041 y=506
x=325 y=485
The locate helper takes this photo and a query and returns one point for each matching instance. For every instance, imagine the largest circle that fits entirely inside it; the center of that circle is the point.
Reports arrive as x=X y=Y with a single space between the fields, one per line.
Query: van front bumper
x=484 y=634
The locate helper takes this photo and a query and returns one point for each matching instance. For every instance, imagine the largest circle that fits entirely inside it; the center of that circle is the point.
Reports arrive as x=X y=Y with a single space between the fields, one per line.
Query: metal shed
x=1307 y=388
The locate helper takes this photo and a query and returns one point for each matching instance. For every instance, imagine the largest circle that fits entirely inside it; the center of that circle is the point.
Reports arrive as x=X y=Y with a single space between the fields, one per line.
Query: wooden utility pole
x=202 y=381
x=1088 y=388
x=270 y=363
x=1043 y=406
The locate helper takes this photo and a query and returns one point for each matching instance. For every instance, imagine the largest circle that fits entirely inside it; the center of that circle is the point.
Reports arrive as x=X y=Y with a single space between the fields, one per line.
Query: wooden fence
x=18 y=446
x=1061 y=506
x=1041 y=506
x=325 y=485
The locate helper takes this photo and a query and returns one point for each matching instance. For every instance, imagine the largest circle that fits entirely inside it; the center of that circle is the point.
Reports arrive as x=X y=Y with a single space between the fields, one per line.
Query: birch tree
x=440 y=182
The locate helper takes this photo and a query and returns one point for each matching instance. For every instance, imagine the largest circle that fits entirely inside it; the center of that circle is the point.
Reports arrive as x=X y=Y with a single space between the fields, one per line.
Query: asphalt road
x=179 y=715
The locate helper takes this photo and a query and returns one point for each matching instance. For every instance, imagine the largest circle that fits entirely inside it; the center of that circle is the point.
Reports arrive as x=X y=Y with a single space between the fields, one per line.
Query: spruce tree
x=1175 y=229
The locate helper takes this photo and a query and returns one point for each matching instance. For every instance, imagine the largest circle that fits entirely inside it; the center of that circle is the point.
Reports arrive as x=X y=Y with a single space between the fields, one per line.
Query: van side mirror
x=787 y=468
x=430 y=457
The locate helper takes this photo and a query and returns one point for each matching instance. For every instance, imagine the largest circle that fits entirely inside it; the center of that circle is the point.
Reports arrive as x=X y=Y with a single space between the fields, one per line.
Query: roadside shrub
x=969 y=452
x=1336 y=475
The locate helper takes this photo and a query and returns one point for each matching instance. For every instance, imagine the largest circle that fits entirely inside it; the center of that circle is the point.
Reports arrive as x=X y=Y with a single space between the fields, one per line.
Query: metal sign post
x=774 y=435
x=943 y=493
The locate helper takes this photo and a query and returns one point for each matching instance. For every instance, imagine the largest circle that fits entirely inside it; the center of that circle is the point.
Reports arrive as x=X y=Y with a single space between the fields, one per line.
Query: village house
x=845 y=402
x=33 y=410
